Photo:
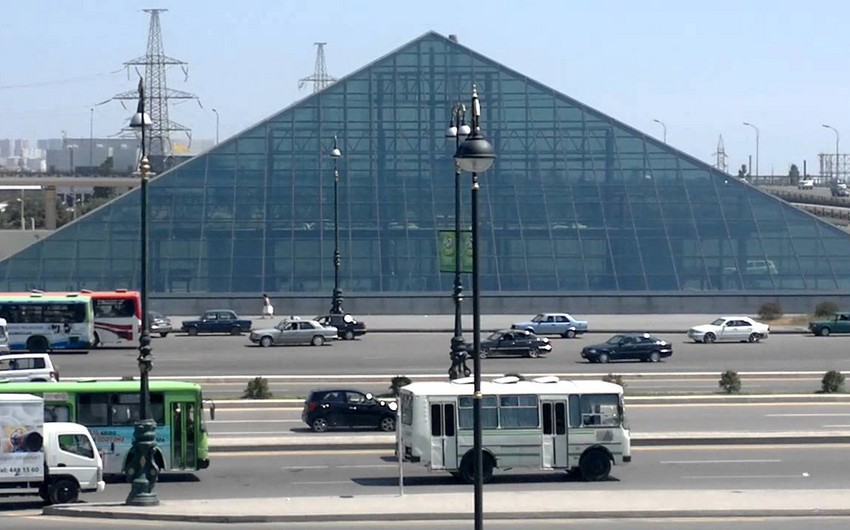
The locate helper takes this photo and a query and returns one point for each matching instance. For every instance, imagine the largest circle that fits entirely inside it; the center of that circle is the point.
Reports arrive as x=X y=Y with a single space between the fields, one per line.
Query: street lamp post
x=475 y=155
x=756 y=129
x=663 y=127
x=91 y=137
x=23 y=220
x=457 y=129
x=145 y=458
x=336 y=300
x=216 y=125
x=837 y=139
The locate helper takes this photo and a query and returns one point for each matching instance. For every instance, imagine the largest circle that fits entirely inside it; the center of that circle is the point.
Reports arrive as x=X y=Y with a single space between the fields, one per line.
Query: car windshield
x=615 y=339
x=496 y=335
x=718 y=322
x=538 y=318
x=282 y=325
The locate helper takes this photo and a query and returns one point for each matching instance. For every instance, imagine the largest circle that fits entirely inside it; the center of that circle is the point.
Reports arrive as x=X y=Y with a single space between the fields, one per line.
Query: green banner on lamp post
x=447 y=251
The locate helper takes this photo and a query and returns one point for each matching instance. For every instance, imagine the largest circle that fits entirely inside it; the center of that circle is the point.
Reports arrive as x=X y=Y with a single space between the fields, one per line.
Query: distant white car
x=730 y=329
x=806 y=184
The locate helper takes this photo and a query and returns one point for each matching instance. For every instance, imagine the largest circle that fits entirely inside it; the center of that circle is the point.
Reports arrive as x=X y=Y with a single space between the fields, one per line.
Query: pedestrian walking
x=268 y=308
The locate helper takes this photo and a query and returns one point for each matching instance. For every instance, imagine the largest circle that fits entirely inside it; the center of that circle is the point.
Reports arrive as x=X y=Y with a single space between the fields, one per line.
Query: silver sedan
x=294 y=332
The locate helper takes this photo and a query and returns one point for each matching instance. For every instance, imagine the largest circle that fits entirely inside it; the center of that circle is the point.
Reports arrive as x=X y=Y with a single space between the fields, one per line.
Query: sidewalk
x=577 y=504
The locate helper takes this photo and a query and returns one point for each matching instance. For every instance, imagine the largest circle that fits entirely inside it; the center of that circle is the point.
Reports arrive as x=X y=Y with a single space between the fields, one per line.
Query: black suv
x=347 y=326
x=328 y=409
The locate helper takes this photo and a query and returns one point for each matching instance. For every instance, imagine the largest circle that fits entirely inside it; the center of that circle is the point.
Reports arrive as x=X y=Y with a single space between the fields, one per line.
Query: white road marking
x=836 y=426
x=324 y=482
x=256 y=421
x=353 y=466
x=755 y=461
x=726 y=477
x=287 y=468
x=816 y=415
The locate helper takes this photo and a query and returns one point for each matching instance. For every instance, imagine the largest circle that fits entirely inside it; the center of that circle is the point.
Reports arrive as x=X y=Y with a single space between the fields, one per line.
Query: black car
x=347 y=326
x=335 y=408
x=515 y=342
x=636 y=346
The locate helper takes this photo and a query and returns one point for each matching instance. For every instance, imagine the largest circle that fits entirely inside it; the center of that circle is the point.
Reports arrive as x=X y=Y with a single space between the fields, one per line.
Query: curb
x=103 y=511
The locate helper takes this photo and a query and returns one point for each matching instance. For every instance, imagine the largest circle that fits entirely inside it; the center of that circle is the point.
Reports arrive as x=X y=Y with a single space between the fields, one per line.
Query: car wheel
x=482 y=353
x=235 y=330
x=654 y=357
x=595 y=465
x=570 y=333
x=192 y=331
x=754 y=337
x=824 y=332
x=63 y=491
x=533 y=353
x=318 y=340
x=319 y=425
x=163 y=334
x=266 y=341
x=348 y=335
x=708 y=338
x=387 y=424
x=603 y=358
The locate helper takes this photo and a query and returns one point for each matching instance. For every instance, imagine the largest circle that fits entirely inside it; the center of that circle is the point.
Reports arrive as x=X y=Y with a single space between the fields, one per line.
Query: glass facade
x=576 y=202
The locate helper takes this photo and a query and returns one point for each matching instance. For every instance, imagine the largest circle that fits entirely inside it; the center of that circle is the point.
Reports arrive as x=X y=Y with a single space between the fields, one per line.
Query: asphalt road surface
x=642 y=418
x=391 y=354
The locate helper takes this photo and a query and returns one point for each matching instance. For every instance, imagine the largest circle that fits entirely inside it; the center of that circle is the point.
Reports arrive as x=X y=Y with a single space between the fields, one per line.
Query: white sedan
x=734 y=329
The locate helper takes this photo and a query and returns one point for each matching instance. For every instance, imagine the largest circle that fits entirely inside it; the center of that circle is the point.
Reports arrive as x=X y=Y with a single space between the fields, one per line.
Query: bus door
x=183 y=435
x=554 y=433
x=443 y=436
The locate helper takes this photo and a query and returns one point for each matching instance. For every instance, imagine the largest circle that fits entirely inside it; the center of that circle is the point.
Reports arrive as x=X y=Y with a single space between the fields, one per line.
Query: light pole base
x=459 y=354
x=143 y=464
x=336 y=302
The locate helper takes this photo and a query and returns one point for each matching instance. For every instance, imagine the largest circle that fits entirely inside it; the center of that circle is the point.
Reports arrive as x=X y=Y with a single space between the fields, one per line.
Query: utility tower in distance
x=157 y=93
x=721 y=156
x=320 y=77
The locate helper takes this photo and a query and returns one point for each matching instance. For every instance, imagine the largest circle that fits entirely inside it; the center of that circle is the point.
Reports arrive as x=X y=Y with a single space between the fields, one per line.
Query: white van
x=28 y=367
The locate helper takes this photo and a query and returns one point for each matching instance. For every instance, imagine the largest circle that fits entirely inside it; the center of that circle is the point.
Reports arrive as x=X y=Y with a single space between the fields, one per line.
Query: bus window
x=93 y=409
x=518 y=412
x=600 y=410
x=57 y=413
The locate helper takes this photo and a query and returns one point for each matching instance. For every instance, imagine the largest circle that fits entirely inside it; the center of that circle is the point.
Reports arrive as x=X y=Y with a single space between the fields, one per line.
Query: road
x=643 y=418
x=388 y=354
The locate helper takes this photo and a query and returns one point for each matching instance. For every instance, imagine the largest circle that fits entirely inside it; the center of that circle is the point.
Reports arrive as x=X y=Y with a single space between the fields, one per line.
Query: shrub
x=825 y=309
x=616 y=379
x=397 y=382
x=730 y=382
x=832 y=382
x=258 y=388
x=770 y=311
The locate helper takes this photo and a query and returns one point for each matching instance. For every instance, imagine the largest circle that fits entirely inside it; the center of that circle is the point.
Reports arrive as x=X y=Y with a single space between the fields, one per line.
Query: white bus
x=40 y=322
x=544 y=423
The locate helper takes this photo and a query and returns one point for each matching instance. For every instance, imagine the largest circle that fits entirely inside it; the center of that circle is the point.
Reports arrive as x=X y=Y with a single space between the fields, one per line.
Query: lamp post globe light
x=475 y=155
x=458 y=129
x=336 y=300
x=144 y=459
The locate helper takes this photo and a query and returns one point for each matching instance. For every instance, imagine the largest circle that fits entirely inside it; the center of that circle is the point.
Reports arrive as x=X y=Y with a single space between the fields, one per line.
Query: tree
x=794 y=174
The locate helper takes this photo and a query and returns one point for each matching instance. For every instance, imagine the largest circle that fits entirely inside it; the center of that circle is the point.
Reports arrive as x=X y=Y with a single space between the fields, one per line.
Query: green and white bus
x=39 y=322
x=110 y=410
x=543 y=423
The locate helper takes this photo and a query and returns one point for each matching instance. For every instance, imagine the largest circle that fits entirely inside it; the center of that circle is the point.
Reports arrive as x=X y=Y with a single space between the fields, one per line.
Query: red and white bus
x=117 y=317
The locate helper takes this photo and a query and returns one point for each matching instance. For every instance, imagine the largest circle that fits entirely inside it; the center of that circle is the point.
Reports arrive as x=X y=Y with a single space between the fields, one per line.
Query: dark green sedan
x=628 y=346
x=837 y=323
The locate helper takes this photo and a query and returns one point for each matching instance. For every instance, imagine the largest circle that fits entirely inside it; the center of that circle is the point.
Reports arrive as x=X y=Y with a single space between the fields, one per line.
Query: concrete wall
x=441 y=303
x=12 y=241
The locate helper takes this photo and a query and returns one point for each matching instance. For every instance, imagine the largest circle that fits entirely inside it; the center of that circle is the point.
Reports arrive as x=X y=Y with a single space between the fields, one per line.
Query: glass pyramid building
x=577 y=202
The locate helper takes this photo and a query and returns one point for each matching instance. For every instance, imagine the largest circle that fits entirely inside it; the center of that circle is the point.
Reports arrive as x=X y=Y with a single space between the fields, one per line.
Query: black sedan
x=347 y=326
x=515 y=342
x=635 y=346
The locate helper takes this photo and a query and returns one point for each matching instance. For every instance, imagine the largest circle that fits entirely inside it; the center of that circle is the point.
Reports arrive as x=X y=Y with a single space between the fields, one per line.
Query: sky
x=702 y=68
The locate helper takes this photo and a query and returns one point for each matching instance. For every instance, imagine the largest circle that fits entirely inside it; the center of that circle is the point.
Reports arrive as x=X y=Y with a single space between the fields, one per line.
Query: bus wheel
x=467 y=468
x=37 y=344
x=63 y=491
x=595 y=465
